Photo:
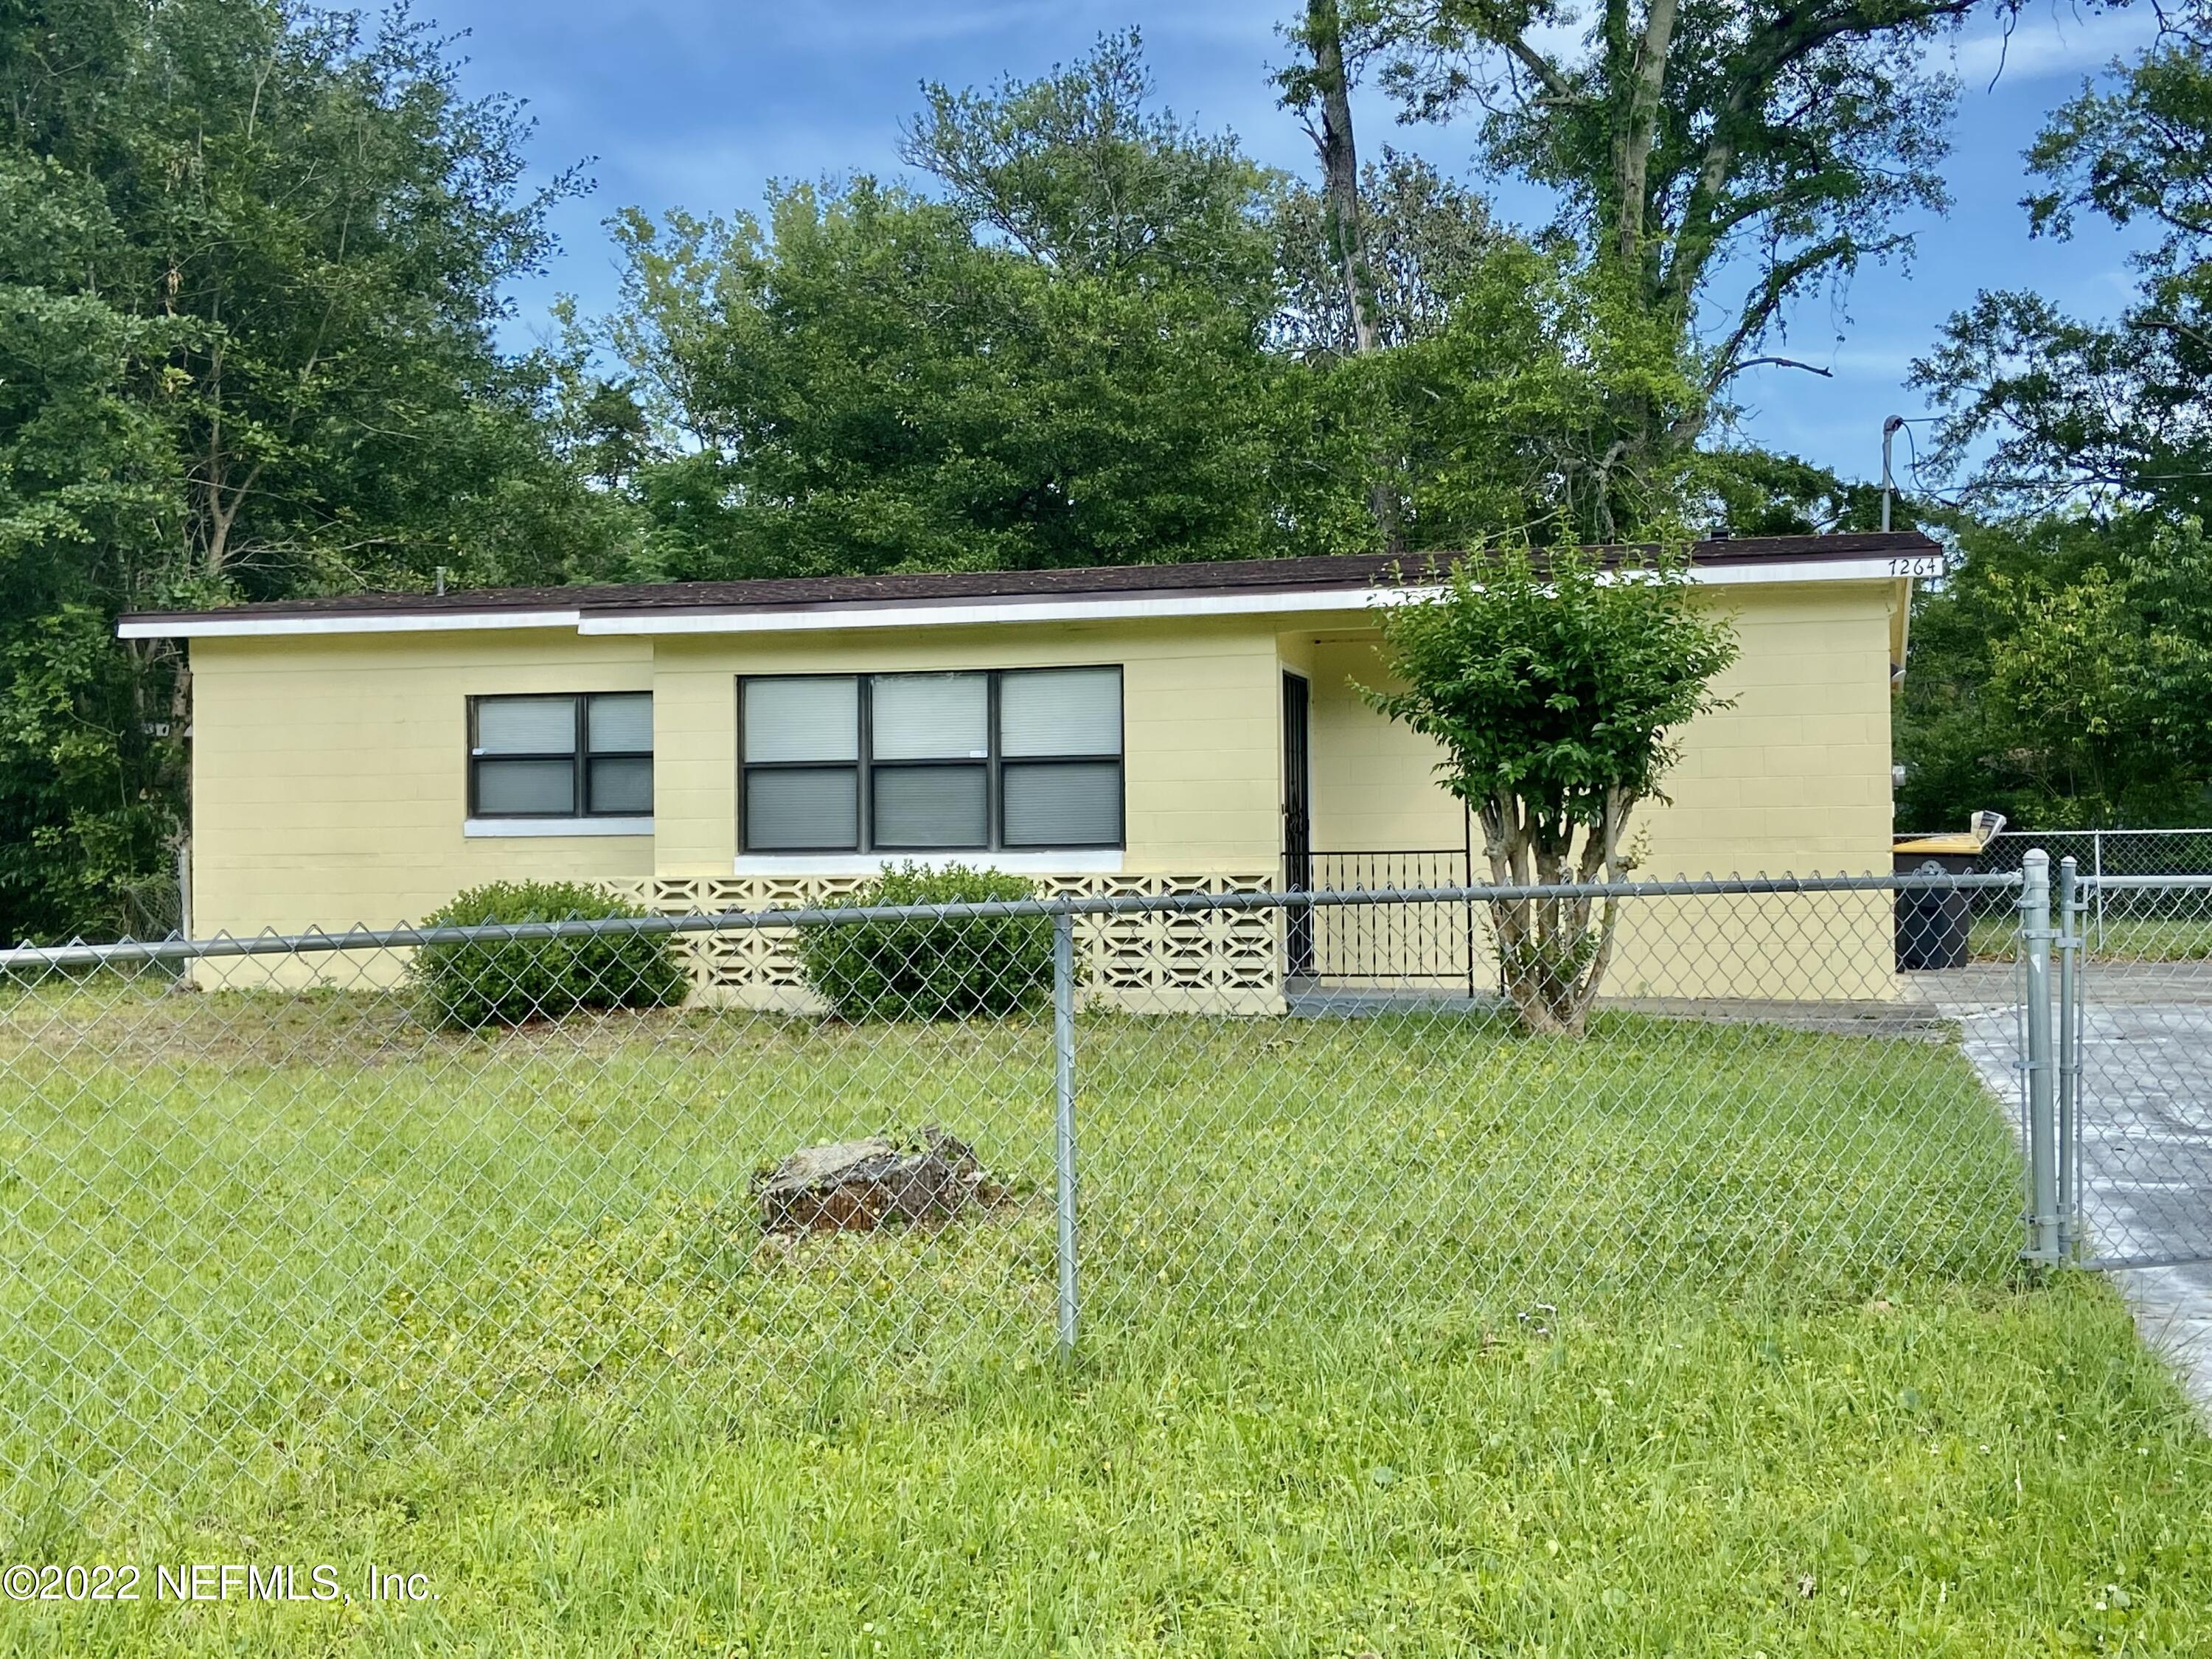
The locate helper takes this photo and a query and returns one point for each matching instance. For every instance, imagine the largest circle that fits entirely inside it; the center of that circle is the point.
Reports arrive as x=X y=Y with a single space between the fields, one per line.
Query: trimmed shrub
x=508 y=982
x=936 y=967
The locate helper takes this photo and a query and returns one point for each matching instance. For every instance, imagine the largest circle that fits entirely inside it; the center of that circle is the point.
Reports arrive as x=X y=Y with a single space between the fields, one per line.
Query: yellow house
x=1148 y=729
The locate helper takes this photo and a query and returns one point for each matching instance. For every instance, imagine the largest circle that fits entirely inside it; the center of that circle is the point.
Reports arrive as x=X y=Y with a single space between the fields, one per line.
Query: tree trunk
x=1340 y=169
x=1552 y=960
x=1347 y=235
x=1639 y=132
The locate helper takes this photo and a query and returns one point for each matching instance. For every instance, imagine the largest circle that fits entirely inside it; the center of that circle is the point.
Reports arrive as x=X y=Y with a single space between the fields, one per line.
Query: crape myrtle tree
x=1554 y=686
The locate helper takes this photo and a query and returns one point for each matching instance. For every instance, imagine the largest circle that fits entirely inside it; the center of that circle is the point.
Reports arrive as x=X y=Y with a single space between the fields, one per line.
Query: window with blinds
x=966 y=761
x=572 y=756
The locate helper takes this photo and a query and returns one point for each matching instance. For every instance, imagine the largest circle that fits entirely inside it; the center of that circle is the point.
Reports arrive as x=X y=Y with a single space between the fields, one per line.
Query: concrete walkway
x=2146 y=1139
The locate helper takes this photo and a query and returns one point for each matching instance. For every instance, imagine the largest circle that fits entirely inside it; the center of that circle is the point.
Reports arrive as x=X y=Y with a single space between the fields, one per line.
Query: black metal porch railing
x=1439 y=941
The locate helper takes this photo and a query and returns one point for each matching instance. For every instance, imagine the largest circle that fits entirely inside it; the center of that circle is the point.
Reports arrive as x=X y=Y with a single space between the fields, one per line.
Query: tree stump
x=858 y=1186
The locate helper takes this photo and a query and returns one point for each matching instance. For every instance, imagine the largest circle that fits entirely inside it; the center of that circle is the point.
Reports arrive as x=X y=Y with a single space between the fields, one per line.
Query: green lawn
x=1405 y=1336
x=2117 y=938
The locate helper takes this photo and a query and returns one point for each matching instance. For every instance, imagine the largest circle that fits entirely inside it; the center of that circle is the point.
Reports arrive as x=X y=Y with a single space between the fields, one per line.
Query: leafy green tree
x=251 y=263
x=1429 y=239
x=1320 y=87
x=1106 y=339
x=1715 y=163
x=1464 y=441
x=1059 y=362
x=1503 y=408
x=1490 y=370
x=866 y=385
x=1079 y=171
x=1555 y=689
x=2059 y=673
x=2062 y=674
x=2045 y=405
x=1756 y=492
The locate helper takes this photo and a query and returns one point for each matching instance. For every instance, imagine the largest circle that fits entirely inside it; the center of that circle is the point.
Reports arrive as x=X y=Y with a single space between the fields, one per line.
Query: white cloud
x=2060 y=41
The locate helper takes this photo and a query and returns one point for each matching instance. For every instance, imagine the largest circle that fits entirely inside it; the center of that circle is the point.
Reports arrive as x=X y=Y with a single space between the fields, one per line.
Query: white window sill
x=492 y=829
x=1085 y=861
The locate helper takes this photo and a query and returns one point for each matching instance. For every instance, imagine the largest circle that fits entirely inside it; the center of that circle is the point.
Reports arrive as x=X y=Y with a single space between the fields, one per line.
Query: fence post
x=1063 y=1083
x=184 y=889
x=2097 y=865
x=2042 y=1102
x=2069 y=908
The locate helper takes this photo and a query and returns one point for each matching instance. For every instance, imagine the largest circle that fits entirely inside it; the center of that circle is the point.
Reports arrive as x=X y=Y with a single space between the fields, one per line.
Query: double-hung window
x=583 y=756
x=1026 y=758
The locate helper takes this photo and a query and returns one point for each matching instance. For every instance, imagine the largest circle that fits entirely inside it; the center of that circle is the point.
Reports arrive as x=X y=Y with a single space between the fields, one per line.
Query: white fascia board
x=1095 y=861
x=927 y=615
x=1881 y=568
x=935 y=614
x=930 y=614
x=217 y=626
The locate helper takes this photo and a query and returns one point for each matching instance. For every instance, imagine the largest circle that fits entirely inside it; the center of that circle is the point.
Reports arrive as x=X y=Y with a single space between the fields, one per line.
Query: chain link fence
x=2136 y=1049
x=2100 y=853
x=273 y=1207
x=2161 y=854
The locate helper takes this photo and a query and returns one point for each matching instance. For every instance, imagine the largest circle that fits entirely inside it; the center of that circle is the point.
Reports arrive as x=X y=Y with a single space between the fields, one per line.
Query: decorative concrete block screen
x=1158 y=962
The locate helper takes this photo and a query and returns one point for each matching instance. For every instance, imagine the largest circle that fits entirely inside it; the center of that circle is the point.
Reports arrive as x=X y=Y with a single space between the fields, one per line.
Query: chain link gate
x=2132 y=1030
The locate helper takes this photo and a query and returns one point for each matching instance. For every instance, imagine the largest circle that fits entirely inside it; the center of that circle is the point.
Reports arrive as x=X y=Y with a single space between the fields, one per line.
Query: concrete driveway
x=2146 y=1134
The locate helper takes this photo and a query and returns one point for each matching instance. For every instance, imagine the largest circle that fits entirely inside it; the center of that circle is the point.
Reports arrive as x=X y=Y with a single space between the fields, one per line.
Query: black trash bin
x=1933 y=922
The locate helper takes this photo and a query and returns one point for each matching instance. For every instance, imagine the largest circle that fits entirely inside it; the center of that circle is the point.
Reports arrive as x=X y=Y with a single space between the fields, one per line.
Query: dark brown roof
x=1262 y=575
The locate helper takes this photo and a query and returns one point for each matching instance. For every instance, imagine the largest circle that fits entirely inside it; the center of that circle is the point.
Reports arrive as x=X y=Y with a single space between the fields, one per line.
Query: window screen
x=801 y=781
x=921 y=807
x=620 y=724
x=803 y=720
x=526 y=726
x=931 y=717
x=802 y=809
x=581 y=755
x=1061 y=711
x=969 y=761
x=1047 y=718
x=1064 y=804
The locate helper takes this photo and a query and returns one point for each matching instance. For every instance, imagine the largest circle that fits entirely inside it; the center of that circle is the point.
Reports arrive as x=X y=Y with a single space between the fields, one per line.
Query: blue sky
x=695 y=104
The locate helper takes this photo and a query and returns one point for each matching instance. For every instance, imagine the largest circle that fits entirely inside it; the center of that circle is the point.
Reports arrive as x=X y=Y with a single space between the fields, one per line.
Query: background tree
x=1429 y=242
x=2057 y=674
x=2062 y=674
x=2043 y=406
x=1501 y=408
x=1746 y=491
x=1495 y=365
x=1320 y=87
x=250 y=262
x=1714 y=163
x=1062 y=358
x=1079 y=170
x=1107 y=338
x=1555 y=689
x=867 y=384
